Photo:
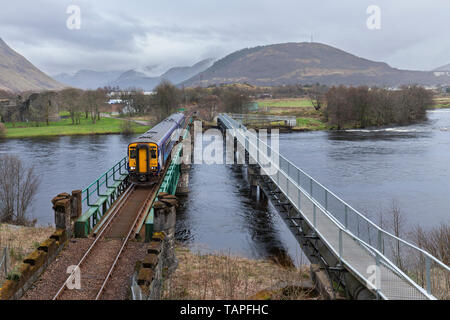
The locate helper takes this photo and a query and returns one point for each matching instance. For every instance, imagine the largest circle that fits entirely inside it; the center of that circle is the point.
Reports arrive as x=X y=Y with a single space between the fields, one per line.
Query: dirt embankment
x=224 y=277
x=20 y=241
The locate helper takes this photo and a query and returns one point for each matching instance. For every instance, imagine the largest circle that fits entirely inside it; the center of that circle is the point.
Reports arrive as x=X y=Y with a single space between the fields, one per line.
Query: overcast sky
x=121 y=35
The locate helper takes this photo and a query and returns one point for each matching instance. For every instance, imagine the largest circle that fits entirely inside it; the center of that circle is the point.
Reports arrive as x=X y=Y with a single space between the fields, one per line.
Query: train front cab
x=143 y=162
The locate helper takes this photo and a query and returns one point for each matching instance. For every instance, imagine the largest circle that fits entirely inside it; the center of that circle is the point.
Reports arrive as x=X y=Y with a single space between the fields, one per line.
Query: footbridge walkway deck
x=390 y=267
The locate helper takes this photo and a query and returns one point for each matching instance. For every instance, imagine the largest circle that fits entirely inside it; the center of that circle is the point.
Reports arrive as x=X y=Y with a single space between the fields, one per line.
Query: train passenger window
x=153 y=153
x=133 y=153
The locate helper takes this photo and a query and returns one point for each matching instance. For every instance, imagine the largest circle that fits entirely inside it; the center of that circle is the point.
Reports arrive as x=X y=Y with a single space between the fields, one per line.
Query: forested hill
x=292 y=63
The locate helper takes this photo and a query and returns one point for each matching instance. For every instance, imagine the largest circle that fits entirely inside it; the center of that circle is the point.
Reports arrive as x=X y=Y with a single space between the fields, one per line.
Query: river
x=367 y=168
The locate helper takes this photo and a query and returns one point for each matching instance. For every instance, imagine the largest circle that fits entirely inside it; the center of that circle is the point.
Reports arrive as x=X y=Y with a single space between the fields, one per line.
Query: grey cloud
x=119 y=35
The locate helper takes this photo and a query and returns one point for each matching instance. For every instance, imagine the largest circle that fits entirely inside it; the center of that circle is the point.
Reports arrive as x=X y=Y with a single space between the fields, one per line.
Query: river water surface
x=367 y=168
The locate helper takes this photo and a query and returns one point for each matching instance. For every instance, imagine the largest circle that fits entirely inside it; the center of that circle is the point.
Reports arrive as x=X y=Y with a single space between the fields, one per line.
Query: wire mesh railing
x=107 y=180
x=405 y=271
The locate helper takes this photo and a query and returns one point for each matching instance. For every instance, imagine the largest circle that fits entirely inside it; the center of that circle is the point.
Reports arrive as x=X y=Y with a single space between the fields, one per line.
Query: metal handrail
x=356 y=211
x=117 y=168
x=235 y=125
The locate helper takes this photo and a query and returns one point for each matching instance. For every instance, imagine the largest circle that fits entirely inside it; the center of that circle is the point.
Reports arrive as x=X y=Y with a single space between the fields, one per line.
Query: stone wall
x=32 y=266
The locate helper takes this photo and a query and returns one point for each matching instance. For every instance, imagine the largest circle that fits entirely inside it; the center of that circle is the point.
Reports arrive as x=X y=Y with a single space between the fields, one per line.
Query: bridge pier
x=325 y=267
x=164 y=221
x=183 y=182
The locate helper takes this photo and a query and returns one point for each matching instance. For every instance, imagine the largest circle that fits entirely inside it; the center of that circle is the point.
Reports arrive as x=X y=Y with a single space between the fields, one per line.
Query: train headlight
x=132 y=168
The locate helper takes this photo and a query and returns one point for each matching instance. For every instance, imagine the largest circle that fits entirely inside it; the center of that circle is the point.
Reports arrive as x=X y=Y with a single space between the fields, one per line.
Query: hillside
x=134 y=79
x=176 y=75
x=292 y=63
x=18 y=74
x=179 y=74
x=443 y=68
x=88 y=79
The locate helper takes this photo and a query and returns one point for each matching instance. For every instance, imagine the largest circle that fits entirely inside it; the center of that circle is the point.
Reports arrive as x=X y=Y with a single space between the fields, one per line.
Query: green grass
x=65 y=128
x=286 y=103
x=310 y=124
x=441 y=103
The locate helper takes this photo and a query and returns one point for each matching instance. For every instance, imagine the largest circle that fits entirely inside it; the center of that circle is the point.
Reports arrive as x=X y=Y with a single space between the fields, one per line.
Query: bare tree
x=210 y=103
x=70 y=100
x=18 y=186
x=93 y=100
x=435 y=241
x=2 y=130
x=317 y=96
x=397 y=222
x=166 y=99
x=236 y=100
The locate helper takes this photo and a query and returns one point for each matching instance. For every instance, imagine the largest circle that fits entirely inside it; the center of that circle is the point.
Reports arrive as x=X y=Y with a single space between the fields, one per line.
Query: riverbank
x=221 y=276
x=20 y=241
x=64 y=127
x=310 y=119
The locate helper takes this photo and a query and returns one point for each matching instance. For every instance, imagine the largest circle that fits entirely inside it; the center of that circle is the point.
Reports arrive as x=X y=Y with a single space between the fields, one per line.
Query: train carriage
x=149 y=153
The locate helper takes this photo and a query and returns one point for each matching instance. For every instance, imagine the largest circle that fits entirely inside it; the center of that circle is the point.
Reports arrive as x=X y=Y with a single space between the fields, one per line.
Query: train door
x=142 y=166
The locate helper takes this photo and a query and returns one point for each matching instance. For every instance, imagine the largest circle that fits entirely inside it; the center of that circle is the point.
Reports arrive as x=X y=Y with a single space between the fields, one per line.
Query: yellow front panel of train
x=132 y=156
x=153 y=156
x=143 y=160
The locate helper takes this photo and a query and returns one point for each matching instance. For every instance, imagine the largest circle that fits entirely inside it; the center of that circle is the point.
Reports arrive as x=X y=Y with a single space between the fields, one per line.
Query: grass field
x=20 y=241
x=285 y=103
x=310 y=124
x=65 y=128
x=221 y=276
x=442 y=102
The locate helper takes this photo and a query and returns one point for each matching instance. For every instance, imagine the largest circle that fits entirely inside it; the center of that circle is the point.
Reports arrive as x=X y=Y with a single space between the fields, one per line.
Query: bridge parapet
x=100 y=195
x=290 y=121
x=384 y=263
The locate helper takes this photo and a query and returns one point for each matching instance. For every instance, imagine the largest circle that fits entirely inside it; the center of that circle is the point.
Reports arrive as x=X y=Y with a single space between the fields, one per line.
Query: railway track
x=106 y=259
x=98 y=264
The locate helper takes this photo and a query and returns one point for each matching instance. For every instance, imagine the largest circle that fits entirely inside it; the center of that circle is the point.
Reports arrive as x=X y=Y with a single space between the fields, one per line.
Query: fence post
x=76 y=204
x=314 y=215
x=428 y=267
x=380 y=241
x=346 y=217
x=340 y=244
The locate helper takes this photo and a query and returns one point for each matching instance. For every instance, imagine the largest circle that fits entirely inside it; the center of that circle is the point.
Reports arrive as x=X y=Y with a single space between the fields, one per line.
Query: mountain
x=292 y=63
x=445 y=68
x=180 y=74
x=136 y=79
x=18 y=74
x=88 y=79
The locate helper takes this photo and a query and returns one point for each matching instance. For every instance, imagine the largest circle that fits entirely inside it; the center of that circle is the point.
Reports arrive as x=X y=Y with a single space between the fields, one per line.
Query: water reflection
x=65 y=163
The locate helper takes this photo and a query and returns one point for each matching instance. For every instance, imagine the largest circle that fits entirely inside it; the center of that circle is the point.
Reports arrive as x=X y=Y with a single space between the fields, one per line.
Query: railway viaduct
x=95 y=227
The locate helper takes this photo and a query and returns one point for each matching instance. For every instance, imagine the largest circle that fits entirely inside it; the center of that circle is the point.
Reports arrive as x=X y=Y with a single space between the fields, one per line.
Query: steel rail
x=145 y=208
x=142 y=211
x=125 y=197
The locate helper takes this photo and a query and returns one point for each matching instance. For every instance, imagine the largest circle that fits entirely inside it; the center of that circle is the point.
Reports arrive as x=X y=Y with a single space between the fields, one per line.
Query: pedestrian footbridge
x=358 y=256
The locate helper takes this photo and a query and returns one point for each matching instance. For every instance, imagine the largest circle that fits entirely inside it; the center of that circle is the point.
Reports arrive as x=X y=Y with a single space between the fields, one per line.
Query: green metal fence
x=100 y=195
x=169 y=185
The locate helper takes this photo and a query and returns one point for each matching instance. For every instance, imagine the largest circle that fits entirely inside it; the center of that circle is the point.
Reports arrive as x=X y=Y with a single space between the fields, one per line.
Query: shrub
x=126 y=127
x=2 y=130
